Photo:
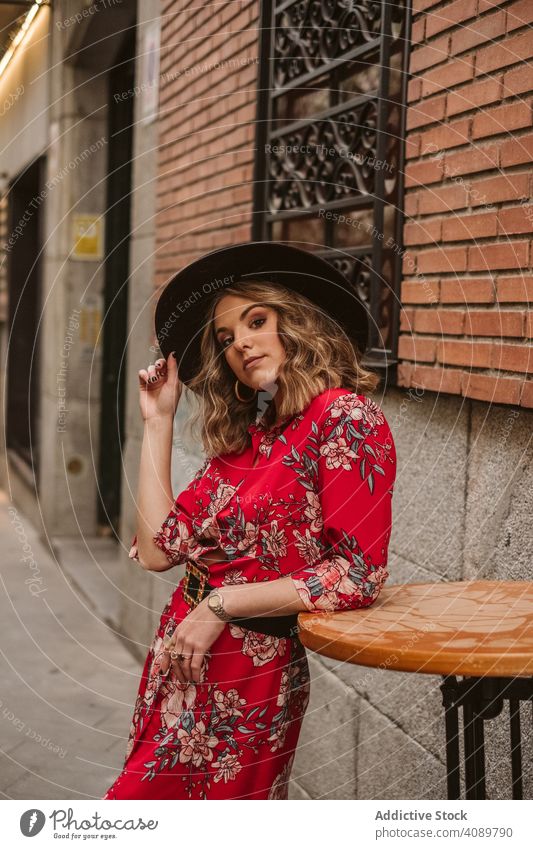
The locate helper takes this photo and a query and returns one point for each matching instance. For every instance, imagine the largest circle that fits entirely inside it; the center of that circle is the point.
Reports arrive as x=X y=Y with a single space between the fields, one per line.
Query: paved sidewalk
x=68 y=681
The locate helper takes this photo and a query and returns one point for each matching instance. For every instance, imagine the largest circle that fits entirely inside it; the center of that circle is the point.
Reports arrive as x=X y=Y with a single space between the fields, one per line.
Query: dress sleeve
x=355 y=469
x=175 y=536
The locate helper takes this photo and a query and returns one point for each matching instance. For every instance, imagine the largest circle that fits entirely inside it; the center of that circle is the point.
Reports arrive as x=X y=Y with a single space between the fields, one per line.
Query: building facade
x=394 y=139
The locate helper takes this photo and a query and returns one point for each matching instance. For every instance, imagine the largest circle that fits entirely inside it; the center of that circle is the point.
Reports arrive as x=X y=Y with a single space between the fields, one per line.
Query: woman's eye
x=253 y=321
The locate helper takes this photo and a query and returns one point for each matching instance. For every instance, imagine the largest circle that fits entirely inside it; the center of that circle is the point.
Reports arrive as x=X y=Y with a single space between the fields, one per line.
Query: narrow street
x=68 y=681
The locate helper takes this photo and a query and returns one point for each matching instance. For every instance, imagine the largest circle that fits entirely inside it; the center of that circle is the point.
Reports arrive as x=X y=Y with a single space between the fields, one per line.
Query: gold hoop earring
x=239 y=397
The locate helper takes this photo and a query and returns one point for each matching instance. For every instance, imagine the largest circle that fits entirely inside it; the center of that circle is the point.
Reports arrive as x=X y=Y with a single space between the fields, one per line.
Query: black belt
x=196 y=588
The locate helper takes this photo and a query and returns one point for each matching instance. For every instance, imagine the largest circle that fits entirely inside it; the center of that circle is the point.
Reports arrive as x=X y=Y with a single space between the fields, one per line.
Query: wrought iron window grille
x=329 y=145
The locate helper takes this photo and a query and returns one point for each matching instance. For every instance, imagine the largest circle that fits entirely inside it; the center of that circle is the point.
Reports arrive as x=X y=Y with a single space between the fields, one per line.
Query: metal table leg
x=481 y=699
x=474 y=743
x=516 y=748
x=451 y=716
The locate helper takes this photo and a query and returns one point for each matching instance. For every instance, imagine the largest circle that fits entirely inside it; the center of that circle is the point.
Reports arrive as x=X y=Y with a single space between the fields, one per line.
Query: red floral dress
x=317 y=508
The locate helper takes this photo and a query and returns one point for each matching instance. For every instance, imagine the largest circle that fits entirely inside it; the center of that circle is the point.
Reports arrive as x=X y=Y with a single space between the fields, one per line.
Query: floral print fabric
x=315 y=507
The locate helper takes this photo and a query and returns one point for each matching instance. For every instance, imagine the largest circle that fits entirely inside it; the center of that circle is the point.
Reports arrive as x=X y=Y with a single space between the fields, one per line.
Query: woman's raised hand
x=159 y=388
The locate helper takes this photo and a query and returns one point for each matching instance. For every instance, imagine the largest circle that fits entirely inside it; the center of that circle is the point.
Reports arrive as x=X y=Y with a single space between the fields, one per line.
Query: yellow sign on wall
x=87 y=237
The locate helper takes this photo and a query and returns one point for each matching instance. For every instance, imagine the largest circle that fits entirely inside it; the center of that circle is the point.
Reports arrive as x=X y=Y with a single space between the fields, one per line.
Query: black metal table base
x=481 y=699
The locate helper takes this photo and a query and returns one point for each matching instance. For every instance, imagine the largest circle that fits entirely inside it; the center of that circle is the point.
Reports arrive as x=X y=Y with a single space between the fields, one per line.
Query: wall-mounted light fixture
x=20 y=35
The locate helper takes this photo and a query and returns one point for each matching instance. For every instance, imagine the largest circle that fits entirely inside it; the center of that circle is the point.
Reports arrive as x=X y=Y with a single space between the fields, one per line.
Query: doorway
x=24 y=282
x=117 y=239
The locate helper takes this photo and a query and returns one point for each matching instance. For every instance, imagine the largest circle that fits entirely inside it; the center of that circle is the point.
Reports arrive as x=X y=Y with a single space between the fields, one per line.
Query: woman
x=290 y=512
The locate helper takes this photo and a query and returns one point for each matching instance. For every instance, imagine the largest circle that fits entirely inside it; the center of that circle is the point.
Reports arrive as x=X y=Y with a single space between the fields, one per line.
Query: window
x=330 y=128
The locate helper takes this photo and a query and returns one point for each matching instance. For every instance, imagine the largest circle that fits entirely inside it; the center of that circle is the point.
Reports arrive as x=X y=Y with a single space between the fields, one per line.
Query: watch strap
x=218 y=608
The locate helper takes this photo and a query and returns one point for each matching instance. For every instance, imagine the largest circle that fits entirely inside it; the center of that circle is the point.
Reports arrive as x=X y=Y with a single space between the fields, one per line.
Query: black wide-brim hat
x=181 y=310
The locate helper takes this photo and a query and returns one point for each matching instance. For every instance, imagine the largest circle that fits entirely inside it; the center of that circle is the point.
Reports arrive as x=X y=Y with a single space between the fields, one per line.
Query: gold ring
x=174 y=655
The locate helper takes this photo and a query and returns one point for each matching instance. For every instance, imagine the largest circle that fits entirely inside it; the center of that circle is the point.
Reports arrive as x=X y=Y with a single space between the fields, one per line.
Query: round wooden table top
x=479 y=628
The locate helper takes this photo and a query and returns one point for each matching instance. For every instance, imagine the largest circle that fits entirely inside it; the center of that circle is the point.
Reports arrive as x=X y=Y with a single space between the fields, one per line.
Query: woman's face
x=245 y=329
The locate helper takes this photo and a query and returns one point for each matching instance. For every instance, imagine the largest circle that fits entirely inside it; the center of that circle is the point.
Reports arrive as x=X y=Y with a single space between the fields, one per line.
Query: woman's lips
x=253 y=362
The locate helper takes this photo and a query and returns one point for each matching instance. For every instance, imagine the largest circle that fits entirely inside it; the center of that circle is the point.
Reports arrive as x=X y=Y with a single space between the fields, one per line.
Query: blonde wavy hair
x=319 y=356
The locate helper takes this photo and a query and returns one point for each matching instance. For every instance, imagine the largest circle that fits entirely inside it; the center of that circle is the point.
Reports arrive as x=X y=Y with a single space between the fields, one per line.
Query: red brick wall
x=207 y=129
x=466 y=321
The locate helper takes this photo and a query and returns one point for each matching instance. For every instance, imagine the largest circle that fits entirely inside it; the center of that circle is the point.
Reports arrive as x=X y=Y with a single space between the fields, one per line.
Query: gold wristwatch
x=215 y=602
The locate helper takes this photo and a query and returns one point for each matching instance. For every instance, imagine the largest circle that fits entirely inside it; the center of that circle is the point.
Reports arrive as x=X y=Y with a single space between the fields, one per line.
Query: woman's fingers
x=196 y=667
x=156 y=371
x=184 y=666
x=180 y=674
x=176 y=665
x=152 y=374
x=165 y=660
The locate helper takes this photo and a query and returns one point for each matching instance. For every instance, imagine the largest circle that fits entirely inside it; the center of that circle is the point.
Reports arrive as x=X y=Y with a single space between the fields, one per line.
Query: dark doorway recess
x=23 y=247
x=117 y=240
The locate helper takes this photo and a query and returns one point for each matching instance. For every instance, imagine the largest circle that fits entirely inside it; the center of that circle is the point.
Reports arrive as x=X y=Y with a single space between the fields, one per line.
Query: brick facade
x=208 y=102
x=466 y=321
x=451 y=522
